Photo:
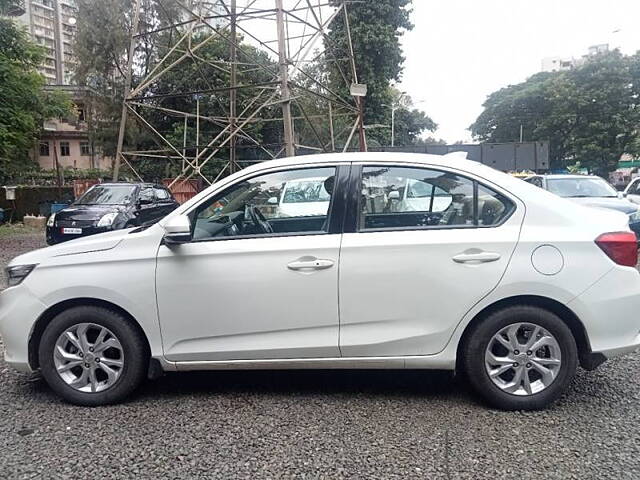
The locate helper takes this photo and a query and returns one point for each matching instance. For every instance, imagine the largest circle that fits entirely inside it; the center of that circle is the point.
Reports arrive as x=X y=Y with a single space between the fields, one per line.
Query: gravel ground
x=337 y=424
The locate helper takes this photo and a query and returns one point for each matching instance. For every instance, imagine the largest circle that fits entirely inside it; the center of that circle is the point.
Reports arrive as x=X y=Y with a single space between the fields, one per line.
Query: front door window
x=287 y=202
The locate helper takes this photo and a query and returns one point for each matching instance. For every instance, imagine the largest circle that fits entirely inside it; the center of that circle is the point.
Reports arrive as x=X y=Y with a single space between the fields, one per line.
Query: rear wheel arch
x=562 y=311
x=51 y=312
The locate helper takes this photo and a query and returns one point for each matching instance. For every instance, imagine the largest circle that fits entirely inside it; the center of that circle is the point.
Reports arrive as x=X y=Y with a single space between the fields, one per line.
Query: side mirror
x=143 y=201
x=394 y=195
x=622 y=194
x=177 y=230
x=273 y=201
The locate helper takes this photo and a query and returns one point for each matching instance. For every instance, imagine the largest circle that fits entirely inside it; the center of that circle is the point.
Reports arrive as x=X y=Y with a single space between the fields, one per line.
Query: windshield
x=581 y=187
x=107 y=195
x=305 y=191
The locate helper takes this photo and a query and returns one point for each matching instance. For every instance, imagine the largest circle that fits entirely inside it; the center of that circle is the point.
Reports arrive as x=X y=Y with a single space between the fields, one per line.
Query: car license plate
x=72 y=231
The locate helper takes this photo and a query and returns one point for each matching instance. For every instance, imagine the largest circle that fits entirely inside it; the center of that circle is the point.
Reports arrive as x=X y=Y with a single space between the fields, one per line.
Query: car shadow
x=307 y=382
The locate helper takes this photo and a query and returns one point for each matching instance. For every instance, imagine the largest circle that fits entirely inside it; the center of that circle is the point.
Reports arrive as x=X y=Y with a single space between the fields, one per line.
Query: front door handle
x=476 y=256
x=310 y=263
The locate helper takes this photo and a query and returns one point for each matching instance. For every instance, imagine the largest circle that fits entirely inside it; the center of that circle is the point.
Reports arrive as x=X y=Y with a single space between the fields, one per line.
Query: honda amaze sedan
x=498 y=279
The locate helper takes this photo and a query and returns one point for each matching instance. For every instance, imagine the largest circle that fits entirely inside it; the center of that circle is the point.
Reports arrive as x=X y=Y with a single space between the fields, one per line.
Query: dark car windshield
x=107 y=195
x=581 y=187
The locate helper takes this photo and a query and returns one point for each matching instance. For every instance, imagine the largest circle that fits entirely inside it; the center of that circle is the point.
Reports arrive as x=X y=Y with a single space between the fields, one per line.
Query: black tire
x=478 y=339
x=133 y=344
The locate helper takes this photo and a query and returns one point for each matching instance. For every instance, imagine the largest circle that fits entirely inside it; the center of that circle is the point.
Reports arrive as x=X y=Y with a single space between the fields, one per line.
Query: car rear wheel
x=520 y=358
x=92 y=356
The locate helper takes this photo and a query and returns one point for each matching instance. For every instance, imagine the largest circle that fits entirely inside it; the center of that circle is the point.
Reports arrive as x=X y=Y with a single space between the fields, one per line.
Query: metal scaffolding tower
x=287 y=41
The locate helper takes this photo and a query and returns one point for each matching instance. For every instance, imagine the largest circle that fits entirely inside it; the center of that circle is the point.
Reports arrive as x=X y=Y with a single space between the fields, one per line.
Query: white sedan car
x=505 y=282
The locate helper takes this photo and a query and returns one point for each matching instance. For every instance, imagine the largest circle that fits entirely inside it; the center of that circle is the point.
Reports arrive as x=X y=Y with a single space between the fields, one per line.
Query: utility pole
x=521 y=133
x=127 y=89
x=361 y=137
x=284 y=82
x=233 y=57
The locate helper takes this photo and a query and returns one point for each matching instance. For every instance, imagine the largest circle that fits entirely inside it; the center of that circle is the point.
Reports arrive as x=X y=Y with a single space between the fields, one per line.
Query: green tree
x=590 y=114
x=102 y=61
x=376 y=28
x=25 y=103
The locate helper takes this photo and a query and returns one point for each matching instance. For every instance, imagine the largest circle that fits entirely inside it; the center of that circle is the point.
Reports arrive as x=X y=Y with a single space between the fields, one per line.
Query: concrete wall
x=75 y=159
x=501 y=156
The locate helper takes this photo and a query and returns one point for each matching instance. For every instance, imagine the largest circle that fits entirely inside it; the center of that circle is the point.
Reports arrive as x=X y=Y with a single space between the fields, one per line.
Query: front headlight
x=18 y=273
x=108 y=219
x=52 y=220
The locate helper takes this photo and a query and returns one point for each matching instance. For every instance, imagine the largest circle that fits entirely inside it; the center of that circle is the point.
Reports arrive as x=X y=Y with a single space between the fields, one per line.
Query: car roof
x=456 y=160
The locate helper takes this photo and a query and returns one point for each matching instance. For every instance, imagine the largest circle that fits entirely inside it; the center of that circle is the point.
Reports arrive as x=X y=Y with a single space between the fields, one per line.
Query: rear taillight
x=621 y=247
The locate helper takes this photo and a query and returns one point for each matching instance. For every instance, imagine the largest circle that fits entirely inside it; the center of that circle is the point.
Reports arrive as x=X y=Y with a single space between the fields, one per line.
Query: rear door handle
x=476 y=257
x=310 y=263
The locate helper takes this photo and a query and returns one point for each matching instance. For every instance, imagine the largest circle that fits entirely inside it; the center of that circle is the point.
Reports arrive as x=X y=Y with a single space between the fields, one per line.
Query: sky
x=460 y=51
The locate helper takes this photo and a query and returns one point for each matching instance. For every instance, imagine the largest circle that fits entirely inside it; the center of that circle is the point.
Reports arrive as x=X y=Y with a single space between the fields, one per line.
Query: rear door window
x=406 y=197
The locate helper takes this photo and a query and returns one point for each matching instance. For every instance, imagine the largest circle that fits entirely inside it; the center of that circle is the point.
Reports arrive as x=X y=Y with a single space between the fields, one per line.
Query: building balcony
x=15 y=9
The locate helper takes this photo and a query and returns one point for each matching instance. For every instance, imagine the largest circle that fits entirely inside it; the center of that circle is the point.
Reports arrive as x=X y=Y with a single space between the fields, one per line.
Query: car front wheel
x=520 y=358
x=92 y=356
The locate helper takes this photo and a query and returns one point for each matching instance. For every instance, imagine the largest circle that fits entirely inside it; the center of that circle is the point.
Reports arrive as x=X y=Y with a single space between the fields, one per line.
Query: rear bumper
x=19 y=310
x=610 y=313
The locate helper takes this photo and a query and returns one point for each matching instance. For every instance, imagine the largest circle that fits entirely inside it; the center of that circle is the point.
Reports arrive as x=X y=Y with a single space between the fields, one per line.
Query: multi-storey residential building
x=52 y=24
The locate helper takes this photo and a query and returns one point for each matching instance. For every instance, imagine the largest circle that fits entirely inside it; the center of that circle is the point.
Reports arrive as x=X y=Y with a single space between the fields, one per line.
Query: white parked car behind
x=506 y=282
x=632 y=192
x=303 y=198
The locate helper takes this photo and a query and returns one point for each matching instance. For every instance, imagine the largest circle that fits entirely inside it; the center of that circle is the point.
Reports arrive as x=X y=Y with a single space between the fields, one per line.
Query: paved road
x=319 y=425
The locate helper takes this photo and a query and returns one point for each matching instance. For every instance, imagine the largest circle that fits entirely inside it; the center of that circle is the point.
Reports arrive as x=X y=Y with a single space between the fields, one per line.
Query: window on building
x=81 y=112
x=44 y=149
x=65 y=149
x=85 y=149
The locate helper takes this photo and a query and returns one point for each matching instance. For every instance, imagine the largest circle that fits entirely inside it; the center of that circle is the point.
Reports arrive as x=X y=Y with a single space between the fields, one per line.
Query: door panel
x=403 y=292
x=237 y=299
x=257 y=282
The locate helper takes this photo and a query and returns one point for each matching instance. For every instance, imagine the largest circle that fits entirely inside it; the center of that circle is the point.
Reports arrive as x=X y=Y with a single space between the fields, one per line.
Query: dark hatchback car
x=110 y=206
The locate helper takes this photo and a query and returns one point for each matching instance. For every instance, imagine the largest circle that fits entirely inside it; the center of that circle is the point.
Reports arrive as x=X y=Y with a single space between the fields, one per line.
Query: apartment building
x=52 y=24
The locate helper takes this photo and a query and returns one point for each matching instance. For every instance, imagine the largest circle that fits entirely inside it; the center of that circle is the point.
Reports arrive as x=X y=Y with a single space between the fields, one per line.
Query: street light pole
x=397 y=104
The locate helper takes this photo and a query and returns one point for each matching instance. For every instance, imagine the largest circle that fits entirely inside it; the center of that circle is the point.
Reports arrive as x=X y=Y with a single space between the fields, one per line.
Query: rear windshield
x=107 y=195
x=581 y=187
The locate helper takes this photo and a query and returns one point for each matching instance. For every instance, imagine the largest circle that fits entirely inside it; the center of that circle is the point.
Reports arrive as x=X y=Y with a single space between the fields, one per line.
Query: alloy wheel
x=88 y=357
x=523 y=359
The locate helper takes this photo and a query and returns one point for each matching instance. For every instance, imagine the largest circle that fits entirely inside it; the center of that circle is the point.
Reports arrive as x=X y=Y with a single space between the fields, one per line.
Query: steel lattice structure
x=294 y=36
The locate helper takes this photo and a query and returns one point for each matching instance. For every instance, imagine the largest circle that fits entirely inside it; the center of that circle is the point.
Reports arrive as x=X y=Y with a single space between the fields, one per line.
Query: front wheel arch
x=562 y=311
x=51 y=312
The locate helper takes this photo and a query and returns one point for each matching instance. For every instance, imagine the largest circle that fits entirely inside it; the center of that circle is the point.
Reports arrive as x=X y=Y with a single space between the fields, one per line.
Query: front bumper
x=19 y=310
